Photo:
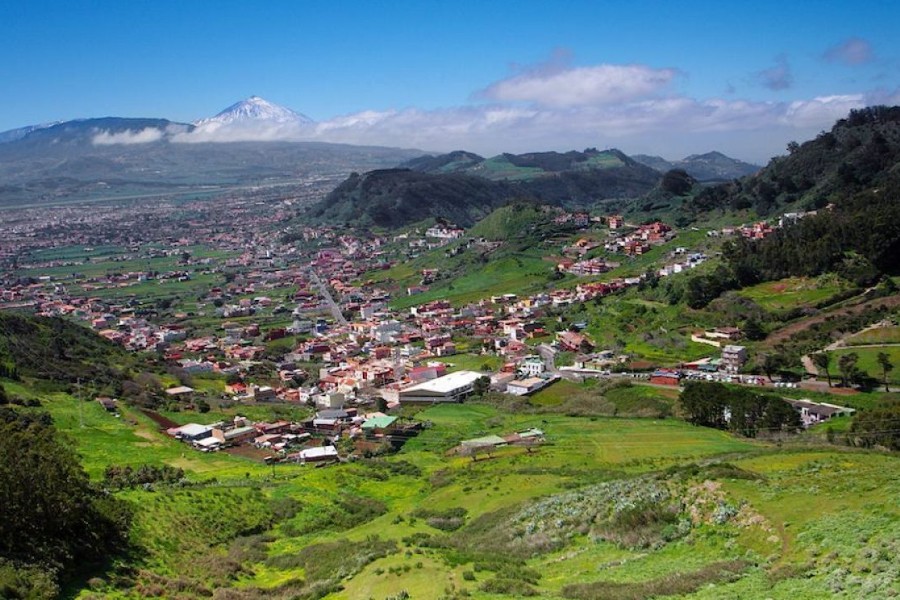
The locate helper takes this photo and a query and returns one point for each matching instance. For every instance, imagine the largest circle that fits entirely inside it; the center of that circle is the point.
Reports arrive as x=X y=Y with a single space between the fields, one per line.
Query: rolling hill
x=859 y=153
x=464 y=187
x=710 y=167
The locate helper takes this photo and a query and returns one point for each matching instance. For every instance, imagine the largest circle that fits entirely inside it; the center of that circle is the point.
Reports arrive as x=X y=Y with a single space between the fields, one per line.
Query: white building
x=532 y=365
x=454 y=387
x=522 y=387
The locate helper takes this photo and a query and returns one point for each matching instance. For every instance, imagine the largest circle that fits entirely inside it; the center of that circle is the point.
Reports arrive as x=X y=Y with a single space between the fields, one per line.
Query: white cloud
x=555 y=107
x=581 y=86
x=243 y=132
x=128 y=137
x=821 y=110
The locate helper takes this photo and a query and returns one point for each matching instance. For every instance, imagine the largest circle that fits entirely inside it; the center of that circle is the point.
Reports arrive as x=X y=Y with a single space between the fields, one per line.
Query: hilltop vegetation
x=391 y=198
x=708 y=167
x=463 y=189
x=859 y=153
x=58 y=350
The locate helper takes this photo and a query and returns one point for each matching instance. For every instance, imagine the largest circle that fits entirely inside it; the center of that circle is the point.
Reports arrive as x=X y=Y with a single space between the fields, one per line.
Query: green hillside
x=463 y=189
x=858 y=153
x=58 y=350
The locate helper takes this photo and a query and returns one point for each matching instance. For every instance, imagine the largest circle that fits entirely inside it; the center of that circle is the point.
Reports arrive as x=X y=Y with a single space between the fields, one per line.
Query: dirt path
x=809 y=365
x=163 y=422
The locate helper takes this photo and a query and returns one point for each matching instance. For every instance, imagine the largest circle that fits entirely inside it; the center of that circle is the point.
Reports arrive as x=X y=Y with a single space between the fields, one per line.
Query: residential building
x=733 y=358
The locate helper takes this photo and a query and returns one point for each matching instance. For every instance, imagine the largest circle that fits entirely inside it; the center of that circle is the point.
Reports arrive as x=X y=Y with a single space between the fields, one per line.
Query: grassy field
x=880 y=335
x=648 y=330
x=868 y=361
x=472 y=362
x=374 y=528
x=131 y=439
x=794 y=292
x=510 y=274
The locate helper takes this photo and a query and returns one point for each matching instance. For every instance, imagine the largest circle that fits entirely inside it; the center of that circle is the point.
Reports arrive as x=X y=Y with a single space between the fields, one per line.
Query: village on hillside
x=301 y=321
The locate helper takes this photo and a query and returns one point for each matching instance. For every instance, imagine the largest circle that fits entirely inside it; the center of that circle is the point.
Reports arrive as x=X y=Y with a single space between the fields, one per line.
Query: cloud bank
x=128 y=137
x=582 y=86
x=554 y=106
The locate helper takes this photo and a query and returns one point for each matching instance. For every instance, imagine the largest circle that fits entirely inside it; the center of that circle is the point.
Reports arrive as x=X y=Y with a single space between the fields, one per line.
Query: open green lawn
x=794 y=291
x=868 y=361
x=516 y=274
x=101 y=439
x=879 y=335
x=472 y=362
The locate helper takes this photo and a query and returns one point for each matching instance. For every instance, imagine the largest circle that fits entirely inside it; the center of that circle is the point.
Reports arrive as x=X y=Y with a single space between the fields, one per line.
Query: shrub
x=512 y=587
x=670 y=585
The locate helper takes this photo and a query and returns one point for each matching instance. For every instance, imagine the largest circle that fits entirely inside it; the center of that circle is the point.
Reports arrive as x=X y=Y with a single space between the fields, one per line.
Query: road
x=326 y=294
x=548 y=354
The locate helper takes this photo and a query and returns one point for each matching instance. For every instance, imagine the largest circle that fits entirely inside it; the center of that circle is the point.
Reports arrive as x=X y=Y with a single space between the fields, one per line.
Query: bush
x=512 y=587
x=671 y=585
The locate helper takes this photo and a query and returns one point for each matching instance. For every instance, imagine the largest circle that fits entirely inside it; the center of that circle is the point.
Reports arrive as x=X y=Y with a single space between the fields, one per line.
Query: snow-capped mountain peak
x=255 y=109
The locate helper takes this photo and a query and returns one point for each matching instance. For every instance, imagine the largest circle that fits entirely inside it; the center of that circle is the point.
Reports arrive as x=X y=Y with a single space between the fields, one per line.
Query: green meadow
x=868 y=361
x=618 y=507
x=879 y=335
x=795 y=291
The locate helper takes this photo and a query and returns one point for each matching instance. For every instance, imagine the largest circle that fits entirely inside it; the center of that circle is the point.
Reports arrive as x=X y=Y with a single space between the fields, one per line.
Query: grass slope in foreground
x=608 y=507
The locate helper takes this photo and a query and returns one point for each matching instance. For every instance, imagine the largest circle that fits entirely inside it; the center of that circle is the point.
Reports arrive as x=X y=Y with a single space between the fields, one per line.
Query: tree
x=739 y=410
x=771 y=363
x=847 y=367
x=61 y=520
x=884 y=361
x=878 y=426
x=753 y=330
x=481 y=386
x=822 y=360
x=677 y=182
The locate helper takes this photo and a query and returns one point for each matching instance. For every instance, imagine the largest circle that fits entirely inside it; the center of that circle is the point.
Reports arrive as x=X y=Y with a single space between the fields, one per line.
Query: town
x=260 y=317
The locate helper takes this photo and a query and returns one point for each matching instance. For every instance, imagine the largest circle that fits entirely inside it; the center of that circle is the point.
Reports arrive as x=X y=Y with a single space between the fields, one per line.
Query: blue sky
x=655 y=77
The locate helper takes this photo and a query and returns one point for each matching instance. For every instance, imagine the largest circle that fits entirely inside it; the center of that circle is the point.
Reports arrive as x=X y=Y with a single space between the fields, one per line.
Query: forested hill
x=848 y=182
x=860 y=152
x=397 y=197
x=709 y=167
x=58 y=350
x=464 y=188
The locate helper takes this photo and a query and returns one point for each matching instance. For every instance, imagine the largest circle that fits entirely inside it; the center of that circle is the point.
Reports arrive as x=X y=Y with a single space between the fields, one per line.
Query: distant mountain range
x=709 y=167
x=114 y=157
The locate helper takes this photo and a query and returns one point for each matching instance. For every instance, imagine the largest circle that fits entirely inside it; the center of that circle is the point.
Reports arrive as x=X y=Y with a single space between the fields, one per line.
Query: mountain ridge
x=447 y=186
x=707 y=167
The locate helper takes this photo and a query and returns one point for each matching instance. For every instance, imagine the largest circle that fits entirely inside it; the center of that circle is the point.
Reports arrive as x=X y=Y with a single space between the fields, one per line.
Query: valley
x=394 y=387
